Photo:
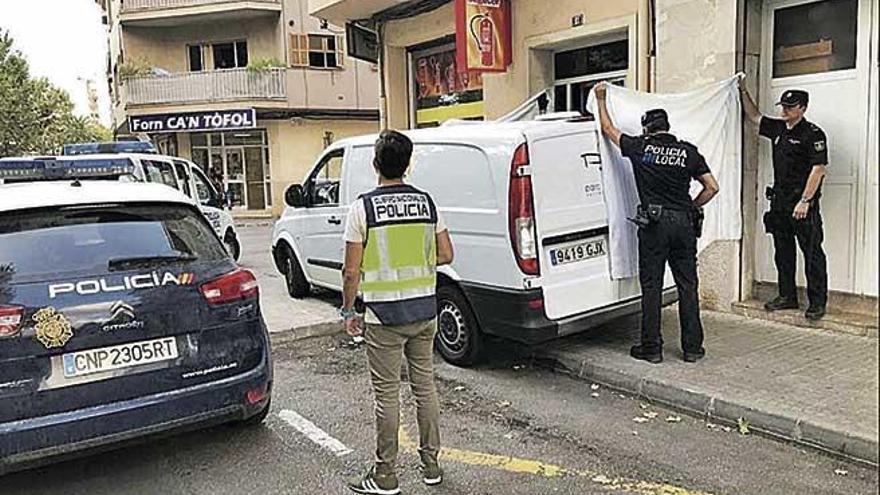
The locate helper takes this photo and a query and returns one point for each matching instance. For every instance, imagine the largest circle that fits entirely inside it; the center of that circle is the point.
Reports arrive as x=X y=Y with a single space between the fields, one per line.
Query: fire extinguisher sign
x=483 y=41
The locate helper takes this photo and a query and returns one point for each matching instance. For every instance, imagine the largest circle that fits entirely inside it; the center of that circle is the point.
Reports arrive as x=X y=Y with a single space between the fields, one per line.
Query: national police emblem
x=52 y=328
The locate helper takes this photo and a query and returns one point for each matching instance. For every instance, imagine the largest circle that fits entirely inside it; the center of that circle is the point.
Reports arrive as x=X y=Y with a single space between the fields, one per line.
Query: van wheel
x=295 y=280
x=459 y=339
x=233 y=247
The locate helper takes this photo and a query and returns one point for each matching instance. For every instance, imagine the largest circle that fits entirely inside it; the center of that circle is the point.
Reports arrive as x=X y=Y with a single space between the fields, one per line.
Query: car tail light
x=536 y=303
x=10 y=320
x=521 y=214
x=234 y=286
x=255 y=395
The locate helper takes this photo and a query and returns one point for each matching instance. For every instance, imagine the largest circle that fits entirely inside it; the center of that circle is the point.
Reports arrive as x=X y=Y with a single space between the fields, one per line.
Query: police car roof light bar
x=55 y=169
x=75 y=149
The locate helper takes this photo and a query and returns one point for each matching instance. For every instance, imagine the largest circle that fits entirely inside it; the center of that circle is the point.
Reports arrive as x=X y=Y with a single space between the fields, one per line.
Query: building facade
x=251 y=90
x=828 y=47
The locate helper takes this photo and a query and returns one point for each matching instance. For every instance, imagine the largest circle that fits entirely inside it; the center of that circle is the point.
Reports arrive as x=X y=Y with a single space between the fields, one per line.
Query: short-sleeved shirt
x=795 y=152
x=356 y=223
x=663 y=167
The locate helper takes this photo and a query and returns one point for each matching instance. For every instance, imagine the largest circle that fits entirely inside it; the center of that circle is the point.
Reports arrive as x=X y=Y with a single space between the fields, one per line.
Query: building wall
x=295 y=145
x=696 y=45
x=534 y=26
x=165 y=47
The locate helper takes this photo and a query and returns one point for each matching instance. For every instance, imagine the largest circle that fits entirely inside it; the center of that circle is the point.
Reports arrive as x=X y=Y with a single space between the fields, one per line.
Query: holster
x=698 y=217
x=645 y=217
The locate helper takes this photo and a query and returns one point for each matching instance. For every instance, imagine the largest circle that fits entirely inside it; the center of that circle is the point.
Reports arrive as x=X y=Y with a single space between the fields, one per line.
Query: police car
x=116 y=161
x=121 y=316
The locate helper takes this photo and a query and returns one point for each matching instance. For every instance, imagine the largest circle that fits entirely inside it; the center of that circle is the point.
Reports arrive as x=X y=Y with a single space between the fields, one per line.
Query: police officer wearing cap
x=800 y=155
x=668 y=223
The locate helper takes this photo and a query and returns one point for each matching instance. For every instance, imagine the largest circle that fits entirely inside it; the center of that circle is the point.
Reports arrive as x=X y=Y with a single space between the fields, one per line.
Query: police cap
x=794 y=98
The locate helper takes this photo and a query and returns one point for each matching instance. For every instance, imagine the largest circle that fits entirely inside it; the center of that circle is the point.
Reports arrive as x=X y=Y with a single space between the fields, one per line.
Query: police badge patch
x=819 y=145
x=52 y=328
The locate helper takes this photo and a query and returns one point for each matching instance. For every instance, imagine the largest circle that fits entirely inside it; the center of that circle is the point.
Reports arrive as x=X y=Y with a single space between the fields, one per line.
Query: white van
x=178 y=173
x=526 y=211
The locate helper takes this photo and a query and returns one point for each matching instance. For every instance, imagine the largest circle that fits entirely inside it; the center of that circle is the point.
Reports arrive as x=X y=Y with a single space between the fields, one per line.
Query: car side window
x=183 y=175
x=323 y=186
x=204 y=190
x=160 y=172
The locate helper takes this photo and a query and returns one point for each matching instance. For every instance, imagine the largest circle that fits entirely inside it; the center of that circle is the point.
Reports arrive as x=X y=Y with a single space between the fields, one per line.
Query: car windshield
x=44 y=242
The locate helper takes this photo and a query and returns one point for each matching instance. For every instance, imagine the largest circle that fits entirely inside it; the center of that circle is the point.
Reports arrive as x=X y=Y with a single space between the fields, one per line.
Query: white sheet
x=708 y=117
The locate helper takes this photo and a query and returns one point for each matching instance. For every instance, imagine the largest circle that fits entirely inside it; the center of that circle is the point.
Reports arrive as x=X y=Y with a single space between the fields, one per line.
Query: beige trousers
x=386 y=348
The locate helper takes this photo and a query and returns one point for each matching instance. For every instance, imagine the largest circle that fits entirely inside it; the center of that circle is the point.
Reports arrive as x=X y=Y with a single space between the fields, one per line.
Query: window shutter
x=299 y=50
x=340 y=51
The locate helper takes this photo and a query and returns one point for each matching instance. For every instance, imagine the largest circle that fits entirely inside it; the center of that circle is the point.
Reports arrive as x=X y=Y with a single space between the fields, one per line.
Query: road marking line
x=313 y=433
x=526 y=466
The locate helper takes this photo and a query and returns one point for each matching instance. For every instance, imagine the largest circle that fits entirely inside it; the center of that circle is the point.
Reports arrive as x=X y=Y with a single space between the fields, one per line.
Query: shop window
x=237 y=164
x=196 y=55
x=592 y=60
x=815 y=37
x=578 y=71
x=318 y=51
x=230 y=55
x=441 y=91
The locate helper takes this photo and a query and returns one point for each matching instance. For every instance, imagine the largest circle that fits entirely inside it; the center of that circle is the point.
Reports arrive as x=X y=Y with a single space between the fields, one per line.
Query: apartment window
x=815 y=37
x=196 y=56
x=318 y=51
x=577 y=71
x=230 y=55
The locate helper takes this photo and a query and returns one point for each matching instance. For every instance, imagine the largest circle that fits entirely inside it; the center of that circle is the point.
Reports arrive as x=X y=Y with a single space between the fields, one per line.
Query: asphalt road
x=511 y=426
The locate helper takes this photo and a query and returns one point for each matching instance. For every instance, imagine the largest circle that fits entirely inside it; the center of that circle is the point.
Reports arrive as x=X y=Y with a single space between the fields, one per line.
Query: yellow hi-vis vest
x=399 y=270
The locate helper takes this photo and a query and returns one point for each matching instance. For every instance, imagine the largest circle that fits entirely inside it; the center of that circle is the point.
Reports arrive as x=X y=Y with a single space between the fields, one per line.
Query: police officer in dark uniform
x=668 y=222
x=800 y=155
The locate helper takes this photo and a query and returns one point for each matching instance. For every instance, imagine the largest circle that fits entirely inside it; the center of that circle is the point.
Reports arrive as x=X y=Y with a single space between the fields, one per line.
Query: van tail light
x=521 y=213
x=234 y=286
x=10 y=320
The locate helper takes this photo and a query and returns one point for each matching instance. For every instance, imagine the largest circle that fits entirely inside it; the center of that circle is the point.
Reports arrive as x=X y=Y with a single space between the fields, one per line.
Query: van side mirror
x=295 y=196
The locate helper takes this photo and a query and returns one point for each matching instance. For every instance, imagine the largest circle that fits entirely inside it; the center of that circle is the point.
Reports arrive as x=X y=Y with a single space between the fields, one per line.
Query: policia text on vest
x=395 y=238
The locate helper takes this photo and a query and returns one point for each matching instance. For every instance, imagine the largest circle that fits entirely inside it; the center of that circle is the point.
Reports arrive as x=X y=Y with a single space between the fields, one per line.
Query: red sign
x=482 y=35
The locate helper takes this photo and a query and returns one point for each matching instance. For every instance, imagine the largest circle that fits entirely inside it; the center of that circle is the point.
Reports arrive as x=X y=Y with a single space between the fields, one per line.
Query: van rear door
x=571 y=220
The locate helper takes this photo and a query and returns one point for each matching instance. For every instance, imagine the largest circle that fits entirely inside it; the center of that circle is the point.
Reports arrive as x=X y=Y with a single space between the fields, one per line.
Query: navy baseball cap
x=794 y=98
x=657 y=115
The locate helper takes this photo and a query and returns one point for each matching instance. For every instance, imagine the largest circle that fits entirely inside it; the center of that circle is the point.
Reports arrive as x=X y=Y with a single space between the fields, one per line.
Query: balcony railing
x=128 y=5
x=208 y=86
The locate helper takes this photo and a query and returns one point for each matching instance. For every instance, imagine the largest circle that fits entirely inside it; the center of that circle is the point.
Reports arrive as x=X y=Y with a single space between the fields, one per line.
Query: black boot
x=651 y=356
x=815 y=312
x=781 y=303
x=693 y=357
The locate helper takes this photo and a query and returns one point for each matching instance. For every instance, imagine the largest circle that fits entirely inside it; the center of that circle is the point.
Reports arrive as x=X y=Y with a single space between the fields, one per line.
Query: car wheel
x=459 y=338
x=230 y=242
x=258 y=418
x=297 y=285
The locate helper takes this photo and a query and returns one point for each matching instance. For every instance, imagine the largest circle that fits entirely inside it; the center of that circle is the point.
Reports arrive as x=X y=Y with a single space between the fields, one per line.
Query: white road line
x=314 y=433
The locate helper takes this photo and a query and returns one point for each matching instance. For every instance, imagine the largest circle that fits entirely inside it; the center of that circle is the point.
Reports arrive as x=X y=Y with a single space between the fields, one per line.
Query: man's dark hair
x=393 y=152
x=656 y=120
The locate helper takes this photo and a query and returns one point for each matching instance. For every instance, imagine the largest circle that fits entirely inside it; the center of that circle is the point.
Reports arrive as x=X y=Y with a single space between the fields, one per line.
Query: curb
x=721 y=410
x=312 y=331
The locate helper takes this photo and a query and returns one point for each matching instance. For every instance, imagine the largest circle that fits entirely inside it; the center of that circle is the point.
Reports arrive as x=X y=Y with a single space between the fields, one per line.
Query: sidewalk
x=809 y=386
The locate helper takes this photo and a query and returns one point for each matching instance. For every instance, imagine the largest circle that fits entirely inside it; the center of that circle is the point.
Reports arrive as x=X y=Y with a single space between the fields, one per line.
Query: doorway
x=823 y=47
x=240 y=160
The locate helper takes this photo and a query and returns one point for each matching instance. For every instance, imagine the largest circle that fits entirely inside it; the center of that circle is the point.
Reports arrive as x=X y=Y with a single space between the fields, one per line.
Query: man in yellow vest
x=395 y=238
